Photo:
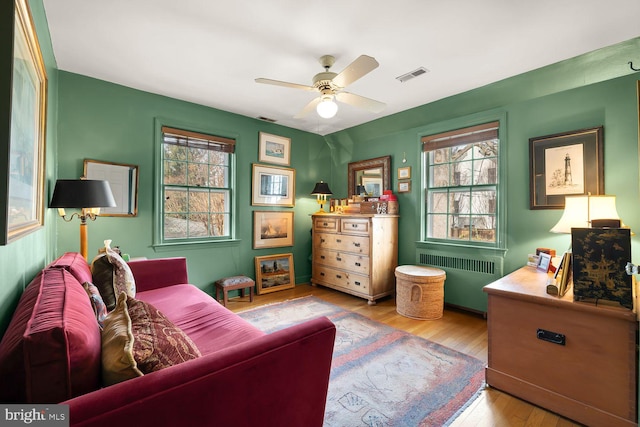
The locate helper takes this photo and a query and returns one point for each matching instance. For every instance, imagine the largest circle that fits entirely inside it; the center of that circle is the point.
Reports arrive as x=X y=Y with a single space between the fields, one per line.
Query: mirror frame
x=383 y=162
x=110 y=171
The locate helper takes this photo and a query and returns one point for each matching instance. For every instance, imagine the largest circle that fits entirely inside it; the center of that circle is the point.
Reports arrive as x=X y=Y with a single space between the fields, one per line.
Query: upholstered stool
x=232 y=283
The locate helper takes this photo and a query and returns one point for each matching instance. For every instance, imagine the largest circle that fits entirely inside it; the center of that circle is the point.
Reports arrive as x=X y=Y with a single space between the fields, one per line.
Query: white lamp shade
x=579 y=211
x=327 y=108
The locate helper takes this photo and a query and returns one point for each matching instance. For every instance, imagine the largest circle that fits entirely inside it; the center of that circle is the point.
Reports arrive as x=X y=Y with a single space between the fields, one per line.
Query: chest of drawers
x=356 y=254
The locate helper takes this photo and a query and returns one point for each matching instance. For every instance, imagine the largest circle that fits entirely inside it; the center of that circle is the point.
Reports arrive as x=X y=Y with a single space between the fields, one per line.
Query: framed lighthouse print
x=565 y=164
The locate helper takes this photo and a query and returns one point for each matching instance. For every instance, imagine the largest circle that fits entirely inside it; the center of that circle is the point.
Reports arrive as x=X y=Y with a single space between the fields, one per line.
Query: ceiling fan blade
x=285 y=84
x=361 y=66
x=361 y=102
x=308 y=108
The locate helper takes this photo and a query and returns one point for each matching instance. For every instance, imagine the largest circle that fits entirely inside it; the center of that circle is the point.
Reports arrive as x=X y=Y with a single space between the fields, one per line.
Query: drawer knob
x=338 y=240
x=354 y=225
x=338 y=258
x=326 y=224
x=322 y=240
x=321 y=256
x=357 y=245
x=357 y=283
x=357 y=264
x=338 y=276
x=322 y=274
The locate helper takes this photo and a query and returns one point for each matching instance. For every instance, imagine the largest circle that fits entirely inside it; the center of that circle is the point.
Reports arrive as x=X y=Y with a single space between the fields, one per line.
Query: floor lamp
x=86 y=194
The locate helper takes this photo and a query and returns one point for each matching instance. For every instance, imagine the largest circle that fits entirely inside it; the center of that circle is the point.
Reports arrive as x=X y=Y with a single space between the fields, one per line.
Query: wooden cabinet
x=356 y=254
x=573 y=358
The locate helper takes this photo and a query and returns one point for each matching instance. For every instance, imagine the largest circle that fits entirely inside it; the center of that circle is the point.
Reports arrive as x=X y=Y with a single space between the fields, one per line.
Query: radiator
x=467 y=274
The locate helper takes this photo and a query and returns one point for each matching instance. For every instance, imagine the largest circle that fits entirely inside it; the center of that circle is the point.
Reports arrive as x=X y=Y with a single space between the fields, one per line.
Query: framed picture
x=272 y=229
x=544 y=262
x=22 y=186
x=404 y=173
x=273 y=186
x=404 y=186
x=274 y=273
x=274 y=149
x=123 y=180
x=565 y=164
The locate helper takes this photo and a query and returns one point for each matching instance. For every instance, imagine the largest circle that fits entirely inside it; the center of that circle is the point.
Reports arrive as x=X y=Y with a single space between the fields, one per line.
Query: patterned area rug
x=381 y=376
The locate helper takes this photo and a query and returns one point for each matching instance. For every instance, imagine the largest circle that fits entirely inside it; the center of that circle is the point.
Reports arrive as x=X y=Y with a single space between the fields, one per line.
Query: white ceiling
x=210 y=51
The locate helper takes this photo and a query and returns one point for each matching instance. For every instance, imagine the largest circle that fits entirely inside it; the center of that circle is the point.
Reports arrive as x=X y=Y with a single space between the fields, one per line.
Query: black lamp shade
x=82 y=193
x=321 y=188
x=360 y=189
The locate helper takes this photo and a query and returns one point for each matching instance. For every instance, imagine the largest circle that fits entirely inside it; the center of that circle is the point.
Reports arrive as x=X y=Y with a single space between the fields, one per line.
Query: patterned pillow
x=118 y=363
x=158 y=343
x=139 y=339
x=99 y=308
x=112 y=275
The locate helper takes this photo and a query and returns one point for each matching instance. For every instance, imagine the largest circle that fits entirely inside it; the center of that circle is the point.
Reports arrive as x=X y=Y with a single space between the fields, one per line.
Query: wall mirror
x=123 y=180
x=372 y=173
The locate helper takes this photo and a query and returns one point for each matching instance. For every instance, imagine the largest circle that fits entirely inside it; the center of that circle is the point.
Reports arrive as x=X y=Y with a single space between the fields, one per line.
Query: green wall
x=22 y=259
x=104 y=121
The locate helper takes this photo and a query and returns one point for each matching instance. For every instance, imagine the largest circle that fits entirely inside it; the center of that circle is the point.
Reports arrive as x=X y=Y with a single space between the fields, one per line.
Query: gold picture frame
x=272 y=229
x=23 y=185
x=404 y=173
x=273 y=186
x=274 y=149
x=404 y=186
x=274 y=273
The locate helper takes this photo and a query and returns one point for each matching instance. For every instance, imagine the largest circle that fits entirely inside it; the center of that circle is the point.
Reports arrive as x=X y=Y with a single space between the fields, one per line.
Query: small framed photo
x=272 y=229
x=404 y=186
x=273 y=186
x=544 y=262
x=274 y=273
x=404 y=173
x=274 y=149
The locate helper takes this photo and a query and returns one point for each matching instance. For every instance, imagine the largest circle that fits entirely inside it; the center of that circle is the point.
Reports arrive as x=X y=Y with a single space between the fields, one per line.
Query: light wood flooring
x=460 y=330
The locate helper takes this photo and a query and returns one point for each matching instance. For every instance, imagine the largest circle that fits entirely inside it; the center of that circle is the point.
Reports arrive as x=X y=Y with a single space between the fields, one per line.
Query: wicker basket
x=420 y=292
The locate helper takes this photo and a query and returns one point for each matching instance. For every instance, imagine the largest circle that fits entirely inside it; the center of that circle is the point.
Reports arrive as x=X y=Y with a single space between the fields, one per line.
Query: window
x=462 y=184
x=196 y=189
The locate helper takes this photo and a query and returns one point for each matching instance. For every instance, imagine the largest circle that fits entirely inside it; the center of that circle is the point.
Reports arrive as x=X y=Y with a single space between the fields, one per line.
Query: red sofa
x=244 y=377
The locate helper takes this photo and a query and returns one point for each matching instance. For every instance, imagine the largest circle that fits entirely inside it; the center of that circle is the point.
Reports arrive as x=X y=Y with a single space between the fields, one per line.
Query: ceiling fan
x=331 y=85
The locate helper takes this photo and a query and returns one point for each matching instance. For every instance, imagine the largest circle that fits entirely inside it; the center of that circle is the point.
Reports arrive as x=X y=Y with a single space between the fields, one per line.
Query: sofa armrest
x=160 y=272
x=275 y=380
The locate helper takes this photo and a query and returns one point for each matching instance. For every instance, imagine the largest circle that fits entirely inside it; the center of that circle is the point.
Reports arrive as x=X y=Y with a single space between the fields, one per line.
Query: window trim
x=225 y=138
x=443 y=130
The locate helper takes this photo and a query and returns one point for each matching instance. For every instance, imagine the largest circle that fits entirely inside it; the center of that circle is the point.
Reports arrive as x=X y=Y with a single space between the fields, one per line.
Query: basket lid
x=419 y=273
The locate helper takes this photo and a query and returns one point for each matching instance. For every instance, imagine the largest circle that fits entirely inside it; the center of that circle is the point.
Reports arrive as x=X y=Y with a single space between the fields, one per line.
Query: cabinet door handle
x=357 y=264
x=357 y=245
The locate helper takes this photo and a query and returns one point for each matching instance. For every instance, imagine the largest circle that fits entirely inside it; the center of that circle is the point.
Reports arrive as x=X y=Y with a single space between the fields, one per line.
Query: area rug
x=381 y=376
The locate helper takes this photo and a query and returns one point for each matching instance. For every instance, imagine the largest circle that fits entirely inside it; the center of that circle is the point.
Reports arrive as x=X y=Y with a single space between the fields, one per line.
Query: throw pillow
x=112 y=275
x=99 y=308
x=118 y=363
x=158 y=343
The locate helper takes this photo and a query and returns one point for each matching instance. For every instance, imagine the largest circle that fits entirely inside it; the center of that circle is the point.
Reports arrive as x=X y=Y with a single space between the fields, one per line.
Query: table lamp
x=586 y=211
x=321 y=190
x=85 y=194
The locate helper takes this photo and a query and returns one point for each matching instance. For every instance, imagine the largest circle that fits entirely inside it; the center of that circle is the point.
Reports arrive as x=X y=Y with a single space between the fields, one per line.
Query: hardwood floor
x=457 y=329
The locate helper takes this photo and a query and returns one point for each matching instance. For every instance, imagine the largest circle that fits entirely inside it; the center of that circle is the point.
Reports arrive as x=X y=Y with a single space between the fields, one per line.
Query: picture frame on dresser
x=562 y=164
x=22 y=183
x=273 y=186
x=272 y=229
x=274 y=273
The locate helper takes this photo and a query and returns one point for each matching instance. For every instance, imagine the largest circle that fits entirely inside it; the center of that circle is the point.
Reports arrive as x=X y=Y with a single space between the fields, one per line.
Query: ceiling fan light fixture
x=327 y=108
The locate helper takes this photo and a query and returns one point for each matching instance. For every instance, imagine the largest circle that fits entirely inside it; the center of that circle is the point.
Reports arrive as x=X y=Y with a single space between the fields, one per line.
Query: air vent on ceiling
x=412 y=74
x=267 y=119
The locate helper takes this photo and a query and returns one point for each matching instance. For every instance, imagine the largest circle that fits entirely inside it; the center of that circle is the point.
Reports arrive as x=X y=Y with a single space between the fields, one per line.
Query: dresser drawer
x=325 y=224
x=346 y=261
x=351 y=281
x=355 y=225
x=342 y=242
